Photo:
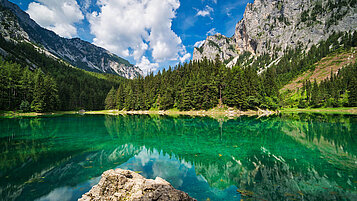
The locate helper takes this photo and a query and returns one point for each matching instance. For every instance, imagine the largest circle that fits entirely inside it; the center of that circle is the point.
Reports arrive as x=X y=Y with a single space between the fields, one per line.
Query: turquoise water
x=285 y=157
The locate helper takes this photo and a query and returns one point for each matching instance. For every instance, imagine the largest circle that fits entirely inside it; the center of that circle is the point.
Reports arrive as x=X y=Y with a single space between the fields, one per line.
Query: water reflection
x=298 y=156
x=180 y=173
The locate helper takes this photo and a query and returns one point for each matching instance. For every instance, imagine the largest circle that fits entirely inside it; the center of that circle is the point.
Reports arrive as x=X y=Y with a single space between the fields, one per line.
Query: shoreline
x=212 y=113
x=230 y=113
x=337 y=110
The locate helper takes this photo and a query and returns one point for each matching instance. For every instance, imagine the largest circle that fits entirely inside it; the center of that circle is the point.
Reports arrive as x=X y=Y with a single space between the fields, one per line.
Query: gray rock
x=270 y=26
x=127 y=185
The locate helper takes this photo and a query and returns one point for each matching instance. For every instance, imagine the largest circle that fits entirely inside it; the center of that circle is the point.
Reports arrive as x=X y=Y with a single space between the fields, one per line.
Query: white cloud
x=199 y=43
x=212 y=32
x=205 y=12
x=147 y=66
x=134 y=28
x=185 y=57
x=85 y=4
x=213 y=1
x=58 y=16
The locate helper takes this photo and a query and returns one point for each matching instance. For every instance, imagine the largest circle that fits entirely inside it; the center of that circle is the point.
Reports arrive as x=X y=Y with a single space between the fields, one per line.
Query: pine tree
x=352 y=98
x=120 y=98
x=50 y=93
x=167 y=100
x=38 y=104
x=110 y=101
x=315 y=95
x=129 y=103
x=186 y=102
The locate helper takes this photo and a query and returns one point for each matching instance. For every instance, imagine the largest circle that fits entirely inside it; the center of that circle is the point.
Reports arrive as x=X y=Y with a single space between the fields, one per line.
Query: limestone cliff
x=270 y=26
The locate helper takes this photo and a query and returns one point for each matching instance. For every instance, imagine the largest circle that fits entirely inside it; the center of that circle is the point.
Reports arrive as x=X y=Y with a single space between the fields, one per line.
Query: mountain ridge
x=75 y=51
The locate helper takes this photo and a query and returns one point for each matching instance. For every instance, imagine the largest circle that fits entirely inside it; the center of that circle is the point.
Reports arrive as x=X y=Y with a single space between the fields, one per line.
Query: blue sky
x=152 y=34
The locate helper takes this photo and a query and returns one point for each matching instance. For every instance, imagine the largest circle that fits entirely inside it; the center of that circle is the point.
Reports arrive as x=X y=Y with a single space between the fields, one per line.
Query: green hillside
x=33 y=81
x=322 y=69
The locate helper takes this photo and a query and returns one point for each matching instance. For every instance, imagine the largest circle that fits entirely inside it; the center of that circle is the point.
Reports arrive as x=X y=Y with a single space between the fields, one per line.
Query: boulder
x=127 y=185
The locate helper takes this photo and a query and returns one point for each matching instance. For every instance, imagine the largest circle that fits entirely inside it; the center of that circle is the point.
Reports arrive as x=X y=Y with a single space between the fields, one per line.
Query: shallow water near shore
x=281 y=157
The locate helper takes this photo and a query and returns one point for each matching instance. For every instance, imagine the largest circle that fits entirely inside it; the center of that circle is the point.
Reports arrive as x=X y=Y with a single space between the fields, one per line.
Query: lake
x=282 y=157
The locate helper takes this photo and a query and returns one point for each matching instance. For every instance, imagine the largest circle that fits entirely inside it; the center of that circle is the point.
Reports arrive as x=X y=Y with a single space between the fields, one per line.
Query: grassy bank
x=339 y=110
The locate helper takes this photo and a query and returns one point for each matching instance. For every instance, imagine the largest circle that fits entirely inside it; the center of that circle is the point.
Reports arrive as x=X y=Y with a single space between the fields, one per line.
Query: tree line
x=202 y=85
x=197 y=85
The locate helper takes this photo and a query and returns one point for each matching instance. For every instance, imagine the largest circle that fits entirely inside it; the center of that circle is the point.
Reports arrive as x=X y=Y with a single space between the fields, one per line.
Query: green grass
x=339 y=110
x=173 y=110
x=154 y=109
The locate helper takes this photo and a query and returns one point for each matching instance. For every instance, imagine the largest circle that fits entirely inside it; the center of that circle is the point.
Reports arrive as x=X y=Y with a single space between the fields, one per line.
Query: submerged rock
x=127 y=185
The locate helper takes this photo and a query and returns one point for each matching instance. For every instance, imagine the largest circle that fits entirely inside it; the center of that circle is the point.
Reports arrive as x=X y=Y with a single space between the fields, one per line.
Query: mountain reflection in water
x=298 y=156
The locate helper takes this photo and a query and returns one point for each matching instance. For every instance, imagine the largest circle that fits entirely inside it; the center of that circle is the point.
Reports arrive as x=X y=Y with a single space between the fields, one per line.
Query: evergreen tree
x=352 y=98
x=167 y=100
x=110 y=101
x=120 y=98
x=50 y=93
x=315 y=95
x=38 y=104
x=235 y=95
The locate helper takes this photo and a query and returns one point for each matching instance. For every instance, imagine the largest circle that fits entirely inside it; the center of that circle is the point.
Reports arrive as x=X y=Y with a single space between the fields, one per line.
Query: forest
x=202 y=85
x=32 y=81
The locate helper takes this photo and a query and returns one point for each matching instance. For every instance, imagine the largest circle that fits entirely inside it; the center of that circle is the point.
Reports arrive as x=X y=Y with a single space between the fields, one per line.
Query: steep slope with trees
x=17 y=25
x=34 y=81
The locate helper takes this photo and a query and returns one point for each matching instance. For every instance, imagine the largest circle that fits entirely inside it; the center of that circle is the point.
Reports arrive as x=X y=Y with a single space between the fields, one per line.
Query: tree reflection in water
x=296 y=156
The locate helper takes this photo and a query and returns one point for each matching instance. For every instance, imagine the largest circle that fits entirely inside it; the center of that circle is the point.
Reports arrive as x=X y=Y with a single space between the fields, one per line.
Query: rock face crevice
x=127 y=185
x=270 y=26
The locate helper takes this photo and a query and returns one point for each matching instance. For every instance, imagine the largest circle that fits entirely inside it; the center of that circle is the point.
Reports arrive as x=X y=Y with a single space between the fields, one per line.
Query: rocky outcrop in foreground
x=127 y=185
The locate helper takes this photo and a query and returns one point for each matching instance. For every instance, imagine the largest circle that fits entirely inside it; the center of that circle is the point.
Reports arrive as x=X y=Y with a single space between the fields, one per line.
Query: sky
x=152 y=34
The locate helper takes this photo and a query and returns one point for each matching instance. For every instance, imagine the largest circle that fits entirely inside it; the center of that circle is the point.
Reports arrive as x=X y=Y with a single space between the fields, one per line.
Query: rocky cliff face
x=270 y=26
x=17 y=25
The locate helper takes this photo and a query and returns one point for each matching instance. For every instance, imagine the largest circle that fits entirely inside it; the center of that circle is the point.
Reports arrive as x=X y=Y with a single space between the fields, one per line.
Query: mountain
x=272 y=26
x=18 y=26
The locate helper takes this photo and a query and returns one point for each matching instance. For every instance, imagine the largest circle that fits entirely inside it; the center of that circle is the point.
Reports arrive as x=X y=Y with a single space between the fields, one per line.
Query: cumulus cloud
x=58 y=16
x=199 y=43
x=133 y=28
x=85 y=4
x=146 y=65
x=205 y=12
x=185 y=57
